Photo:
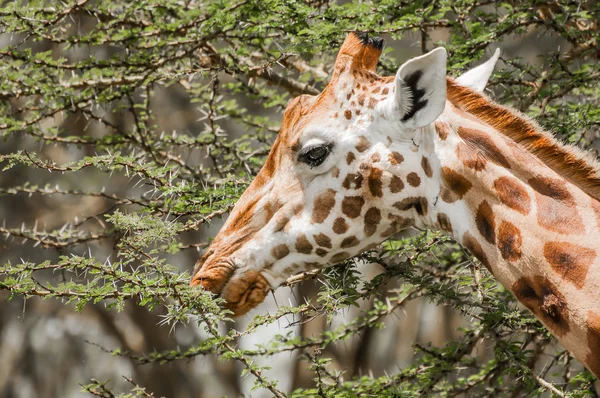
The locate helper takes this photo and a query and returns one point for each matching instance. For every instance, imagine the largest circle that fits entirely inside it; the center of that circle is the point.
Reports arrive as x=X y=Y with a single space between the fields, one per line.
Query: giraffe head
x=345 y=172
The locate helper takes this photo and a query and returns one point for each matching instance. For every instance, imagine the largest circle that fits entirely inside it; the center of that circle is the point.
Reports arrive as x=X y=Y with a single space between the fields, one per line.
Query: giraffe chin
x=245 y=291
x=241 y=291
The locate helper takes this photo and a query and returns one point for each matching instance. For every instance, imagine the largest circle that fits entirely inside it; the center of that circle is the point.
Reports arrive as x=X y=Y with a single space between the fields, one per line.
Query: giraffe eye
x=314 y=155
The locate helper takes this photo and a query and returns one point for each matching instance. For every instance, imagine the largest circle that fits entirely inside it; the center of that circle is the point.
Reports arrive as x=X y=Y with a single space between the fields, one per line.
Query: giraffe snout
x=213 y=277
x=242 y=290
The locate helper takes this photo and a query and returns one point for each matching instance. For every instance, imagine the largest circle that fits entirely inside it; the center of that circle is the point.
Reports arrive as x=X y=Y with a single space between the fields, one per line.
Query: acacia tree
x=131 y=126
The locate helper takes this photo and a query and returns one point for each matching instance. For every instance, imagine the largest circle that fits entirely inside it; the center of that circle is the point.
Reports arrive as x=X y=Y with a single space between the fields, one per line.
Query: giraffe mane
x=577 y=166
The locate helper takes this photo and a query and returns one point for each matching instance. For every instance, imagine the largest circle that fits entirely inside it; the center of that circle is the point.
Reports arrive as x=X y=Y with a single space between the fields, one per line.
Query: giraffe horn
x=359 y=51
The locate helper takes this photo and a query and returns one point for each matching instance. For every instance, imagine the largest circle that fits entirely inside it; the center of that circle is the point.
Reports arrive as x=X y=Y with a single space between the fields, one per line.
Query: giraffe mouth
x=242 y=291
x=214 y=278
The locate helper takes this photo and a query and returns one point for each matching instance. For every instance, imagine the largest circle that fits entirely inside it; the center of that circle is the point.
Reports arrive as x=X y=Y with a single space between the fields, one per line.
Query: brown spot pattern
x=352 y=181
x=483 y=142
x=303 y=245
x=340 y=226
x=570 y=261
x=426 y=165
x=398 y=223
x=395 y=158
x=556 y=209
x=442 y=130
x=361 y=100
x=339 y=257
x=372 y=219
x=350 y=158
x=321 y=252
x=456 y=186
x=323 y=240
x=323 y=205
x=513 y=194
x=413 y=179
x=470 y=243
x=417 y=203
x=362 y=144
x=561 y=159
x=593 y=339
x=350 y=241
x=485 y=221
x=552 y=187
x=280 y=223
x=375 y=183
x=444 y=222
x=396 y=184
x=352 y=206
x=348 y=114
x=280 y=251
x=509 y=241
x=542 y=298
x=470 y=157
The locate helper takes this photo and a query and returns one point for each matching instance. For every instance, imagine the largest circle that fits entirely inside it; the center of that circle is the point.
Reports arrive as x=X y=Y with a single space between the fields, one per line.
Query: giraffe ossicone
x=373 y=155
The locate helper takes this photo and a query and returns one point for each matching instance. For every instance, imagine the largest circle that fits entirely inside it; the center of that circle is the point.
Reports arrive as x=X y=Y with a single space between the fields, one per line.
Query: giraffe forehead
x=350 y=95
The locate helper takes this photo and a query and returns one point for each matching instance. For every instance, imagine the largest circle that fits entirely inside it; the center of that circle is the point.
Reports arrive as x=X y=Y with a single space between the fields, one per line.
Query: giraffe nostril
x=213 y=278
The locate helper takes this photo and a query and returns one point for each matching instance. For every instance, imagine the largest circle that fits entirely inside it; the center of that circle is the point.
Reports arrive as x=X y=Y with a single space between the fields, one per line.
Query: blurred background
x=215 y=123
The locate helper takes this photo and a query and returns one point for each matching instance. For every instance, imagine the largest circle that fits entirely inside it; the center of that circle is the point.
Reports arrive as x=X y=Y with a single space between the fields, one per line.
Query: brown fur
x=375 y=183
x=323 y=240
x=363 y=144
x=396 y=184
x=444 y=222
x=323 y=205
x=455 y=186
x=340 y=226
x=395 y=158
x=413 y=179
x=372 y=219
x=280 y=251
x=513 y=194
x=426 y=165
x=486 y=223
x=593 y=323
x=352 y=205
x=350 y=241
x=303 y=245
x=568 y=161
x=475 y=248
x=442 y=129
x=570 y=261
x=542 y=298
x=483 y=144
x=509 y=241
x=419 y=204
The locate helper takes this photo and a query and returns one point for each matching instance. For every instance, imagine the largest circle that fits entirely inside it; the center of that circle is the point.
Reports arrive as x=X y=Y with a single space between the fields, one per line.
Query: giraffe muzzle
x=213 y=278
x=242 y=290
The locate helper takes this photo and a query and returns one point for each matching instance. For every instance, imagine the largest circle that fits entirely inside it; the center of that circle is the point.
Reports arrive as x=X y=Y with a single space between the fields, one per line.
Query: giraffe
x=371 y=156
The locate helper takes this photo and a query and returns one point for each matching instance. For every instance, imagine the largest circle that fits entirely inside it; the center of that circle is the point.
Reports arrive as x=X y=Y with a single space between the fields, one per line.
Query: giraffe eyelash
x=314 y=155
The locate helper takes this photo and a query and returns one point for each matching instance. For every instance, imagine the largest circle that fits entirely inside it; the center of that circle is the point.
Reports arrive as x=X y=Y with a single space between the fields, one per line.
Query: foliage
x=151 y=117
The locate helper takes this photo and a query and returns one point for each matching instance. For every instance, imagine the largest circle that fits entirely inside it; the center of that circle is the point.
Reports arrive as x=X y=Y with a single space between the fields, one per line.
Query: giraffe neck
x=537 y=233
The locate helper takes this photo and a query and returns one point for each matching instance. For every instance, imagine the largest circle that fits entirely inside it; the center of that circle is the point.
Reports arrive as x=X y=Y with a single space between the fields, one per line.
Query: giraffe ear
x=477 y=78
x=421 y=89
